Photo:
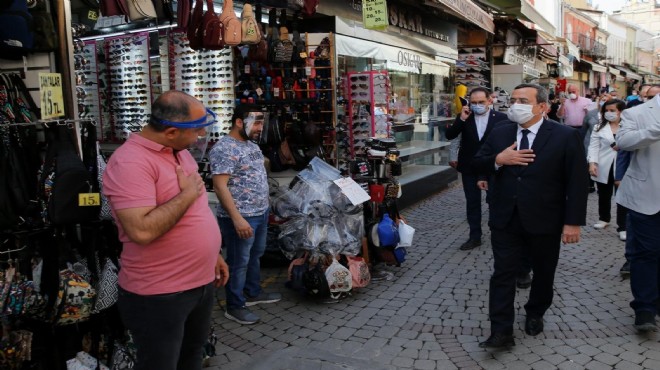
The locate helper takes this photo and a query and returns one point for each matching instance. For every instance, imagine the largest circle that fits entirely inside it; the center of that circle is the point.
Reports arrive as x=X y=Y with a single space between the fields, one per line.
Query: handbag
x=231 y=26
x=107 y=291
x=122 y=358
x=141 y=9
x=111 y=8
x=212 y=27
x=106 y=213
x=406 y=233
x=359 y=271
x=196 y=26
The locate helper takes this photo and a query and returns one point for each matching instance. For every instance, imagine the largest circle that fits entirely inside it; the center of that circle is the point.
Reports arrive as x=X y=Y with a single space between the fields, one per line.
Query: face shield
x=198 y=147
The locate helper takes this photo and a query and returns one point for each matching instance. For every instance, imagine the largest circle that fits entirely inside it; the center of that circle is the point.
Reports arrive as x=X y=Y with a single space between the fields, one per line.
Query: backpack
x=282 y=48
x=250 y=27
x=388 y=232
x=63 y=178
x=196 y=26
x=16 y=32
x=75 y=299
x=231 y=31
x=212 y=29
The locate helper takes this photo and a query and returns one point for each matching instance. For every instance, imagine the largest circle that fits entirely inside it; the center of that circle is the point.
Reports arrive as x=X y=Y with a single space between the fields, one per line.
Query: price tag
x=308 y=71
x=259 y=91
x=352 y=190
x=276 y=91
x=295 y=69
x=89 y=199
x=374 y=14
x=50 y=95
x=247 y=69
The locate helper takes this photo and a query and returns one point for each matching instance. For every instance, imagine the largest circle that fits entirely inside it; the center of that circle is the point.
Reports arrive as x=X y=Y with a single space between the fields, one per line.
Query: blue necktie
x=524 y=143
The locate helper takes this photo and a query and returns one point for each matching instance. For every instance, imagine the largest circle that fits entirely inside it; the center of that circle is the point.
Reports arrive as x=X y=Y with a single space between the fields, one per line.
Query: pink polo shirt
x=575 y=111
x=141 y=173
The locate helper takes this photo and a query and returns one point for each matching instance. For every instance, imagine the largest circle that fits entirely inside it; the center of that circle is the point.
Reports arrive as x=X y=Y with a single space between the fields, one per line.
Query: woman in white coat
x=601 y=157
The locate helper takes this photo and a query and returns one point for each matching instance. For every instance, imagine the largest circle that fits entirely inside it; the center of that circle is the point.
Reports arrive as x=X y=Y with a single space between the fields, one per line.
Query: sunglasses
x=361 y=78
x=359 y=86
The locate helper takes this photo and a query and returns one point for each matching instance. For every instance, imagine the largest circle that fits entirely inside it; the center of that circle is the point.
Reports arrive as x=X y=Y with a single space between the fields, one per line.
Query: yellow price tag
x=89 y=199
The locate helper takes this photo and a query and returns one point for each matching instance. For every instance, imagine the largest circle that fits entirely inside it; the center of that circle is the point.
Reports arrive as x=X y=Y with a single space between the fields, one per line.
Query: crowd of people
x=538 y=165
x=535 y=171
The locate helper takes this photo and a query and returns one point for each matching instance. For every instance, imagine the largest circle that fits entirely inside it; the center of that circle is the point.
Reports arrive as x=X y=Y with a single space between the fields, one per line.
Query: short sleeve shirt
x=575 y=111
x=248 y=182
x=142 y=173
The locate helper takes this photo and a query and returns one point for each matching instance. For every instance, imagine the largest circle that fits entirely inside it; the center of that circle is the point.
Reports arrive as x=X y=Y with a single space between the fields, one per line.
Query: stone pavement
x=434 y=312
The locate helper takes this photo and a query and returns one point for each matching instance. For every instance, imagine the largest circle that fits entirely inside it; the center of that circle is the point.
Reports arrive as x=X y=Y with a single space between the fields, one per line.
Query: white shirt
x=482 y=123
x=533 y=130
x=657 y=99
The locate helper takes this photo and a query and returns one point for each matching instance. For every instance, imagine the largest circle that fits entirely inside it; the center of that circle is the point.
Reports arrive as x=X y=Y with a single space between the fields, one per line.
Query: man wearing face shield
x=171 y=241
x=538 y=200
x=473 y=124
x=240 y=182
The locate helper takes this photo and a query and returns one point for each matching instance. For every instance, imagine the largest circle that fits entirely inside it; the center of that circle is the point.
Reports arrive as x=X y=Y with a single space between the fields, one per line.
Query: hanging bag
x=406 y=233
x=212 y=29
x=250 y=27
x=141 y=9
x=359 y=271
x=282 y=47
x=339 y=279
x=196 y=26
x=231 y=31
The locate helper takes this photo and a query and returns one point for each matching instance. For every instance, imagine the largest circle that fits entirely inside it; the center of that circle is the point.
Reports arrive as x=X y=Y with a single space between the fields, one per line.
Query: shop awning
x=546 y=41
x=629 y=73
x=350 y=31
x=524 y=9
x=595 y=66
x=566 y=66
x=397 y=59
x=613 y=71
x=572 y=49
x=467 y=10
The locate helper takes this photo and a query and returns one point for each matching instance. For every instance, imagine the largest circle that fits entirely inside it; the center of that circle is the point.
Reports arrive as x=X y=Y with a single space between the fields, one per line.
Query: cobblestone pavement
x=434 y=312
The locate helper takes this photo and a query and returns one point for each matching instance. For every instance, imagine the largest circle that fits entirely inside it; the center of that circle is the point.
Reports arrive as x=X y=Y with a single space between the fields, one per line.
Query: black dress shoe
x=533 y=325
x=498 y=340
x=470 y=244
x=524 y=282
x=645 y=321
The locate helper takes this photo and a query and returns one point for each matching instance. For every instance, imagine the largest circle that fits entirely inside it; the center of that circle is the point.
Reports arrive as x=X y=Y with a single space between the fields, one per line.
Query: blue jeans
x=169 y=330
x=243 y=259
x=643 y=246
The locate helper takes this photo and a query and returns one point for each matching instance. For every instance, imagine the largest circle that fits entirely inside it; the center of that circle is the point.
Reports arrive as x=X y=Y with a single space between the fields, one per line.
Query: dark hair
x=620 y=106
x=551 y=96
x=541 y=92
x=482 y=89
x=242 y=111
x=168 y=108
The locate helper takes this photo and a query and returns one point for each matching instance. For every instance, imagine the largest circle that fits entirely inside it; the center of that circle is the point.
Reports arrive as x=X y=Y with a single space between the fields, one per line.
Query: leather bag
x=231 y=31
x=141 y=9
x=212 y=35
x=196 y=26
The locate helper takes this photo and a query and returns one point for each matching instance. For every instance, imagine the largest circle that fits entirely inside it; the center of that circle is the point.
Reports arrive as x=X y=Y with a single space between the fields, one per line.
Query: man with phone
x=473 y=124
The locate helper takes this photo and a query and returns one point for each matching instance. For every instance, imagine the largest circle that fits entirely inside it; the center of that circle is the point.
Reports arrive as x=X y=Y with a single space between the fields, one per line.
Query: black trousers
x=169 y=330
x=605 y=192
x=510 y=245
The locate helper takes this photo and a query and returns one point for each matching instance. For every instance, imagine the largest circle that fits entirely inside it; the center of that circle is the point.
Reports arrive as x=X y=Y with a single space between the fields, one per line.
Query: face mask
x=572 y=96
x=634 y=94
x=478 y=109
x=611 y=116
x=494 y=100
x=602 y=103
x=520 y=113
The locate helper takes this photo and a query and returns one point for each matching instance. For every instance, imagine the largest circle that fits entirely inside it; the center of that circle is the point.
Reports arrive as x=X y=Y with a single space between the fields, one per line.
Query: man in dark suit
x=473 y=124
x=538 y=198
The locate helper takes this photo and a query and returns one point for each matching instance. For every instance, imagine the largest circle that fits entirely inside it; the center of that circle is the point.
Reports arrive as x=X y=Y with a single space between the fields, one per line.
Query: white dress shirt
x=533 y=130
x=482 y=123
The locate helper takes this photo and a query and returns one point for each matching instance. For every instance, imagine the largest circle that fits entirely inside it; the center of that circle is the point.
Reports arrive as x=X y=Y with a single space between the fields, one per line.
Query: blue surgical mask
x=478 y=109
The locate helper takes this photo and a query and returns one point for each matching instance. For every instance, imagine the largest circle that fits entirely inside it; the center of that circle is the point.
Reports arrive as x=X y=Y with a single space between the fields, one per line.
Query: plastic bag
x=406 y=233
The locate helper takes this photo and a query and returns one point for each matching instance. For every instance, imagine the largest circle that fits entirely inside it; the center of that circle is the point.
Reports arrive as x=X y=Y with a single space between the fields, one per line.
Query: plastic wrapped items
x=321 y=218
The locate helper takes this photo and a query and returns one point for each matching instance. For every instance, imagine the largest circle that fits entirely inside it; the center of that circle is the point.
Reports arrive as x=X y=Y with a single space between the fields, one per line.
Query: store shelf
x=420 y=148
x=413 y=172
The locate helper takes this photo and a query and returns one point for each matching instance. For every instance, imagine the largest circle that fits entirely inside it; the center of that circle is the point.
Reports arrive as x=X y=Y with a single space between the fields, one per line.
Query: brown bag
x=113 y=7
x=231 y=33
x=212 y=25
x=141 y=9
x=196 y=26
x=183 y=8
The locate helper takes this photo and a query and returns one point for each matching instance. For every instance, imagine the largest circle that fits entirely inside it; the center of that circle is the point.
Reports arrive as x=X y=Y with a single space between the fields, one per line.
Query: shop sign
x=541 y=66
x=531 y=71
x=50 y=95
x=407 y=59
x=374 y=14
x=402 y=16
x=471 y=12
x=511 y=56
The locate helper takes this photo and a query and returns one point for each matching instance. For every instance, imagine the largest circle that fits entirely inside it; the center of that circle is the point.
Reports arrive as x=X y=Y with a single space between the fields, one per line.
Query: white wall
x=616 y=43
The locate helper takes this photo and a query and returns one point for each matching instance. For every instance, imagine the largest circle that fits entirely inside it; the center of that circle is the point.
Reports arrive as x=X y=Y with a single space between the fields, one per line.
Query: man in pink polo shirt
x=171 y=240
x=574 y=109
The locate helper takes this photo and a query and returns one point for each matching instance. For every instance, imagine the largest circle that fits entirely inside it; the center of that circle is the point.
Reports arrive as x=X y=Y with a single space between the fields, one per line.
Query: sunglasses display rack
x=472 y=68
x=208 y=76
x=129 y=83
x=368 y=108
x=87 y=75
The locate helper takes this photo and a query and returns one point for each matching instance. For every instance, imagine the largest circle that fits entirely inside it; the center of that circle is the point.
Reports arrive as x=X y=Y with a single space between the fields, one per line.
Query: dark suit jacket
x=548 y=193
x=470 y=142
